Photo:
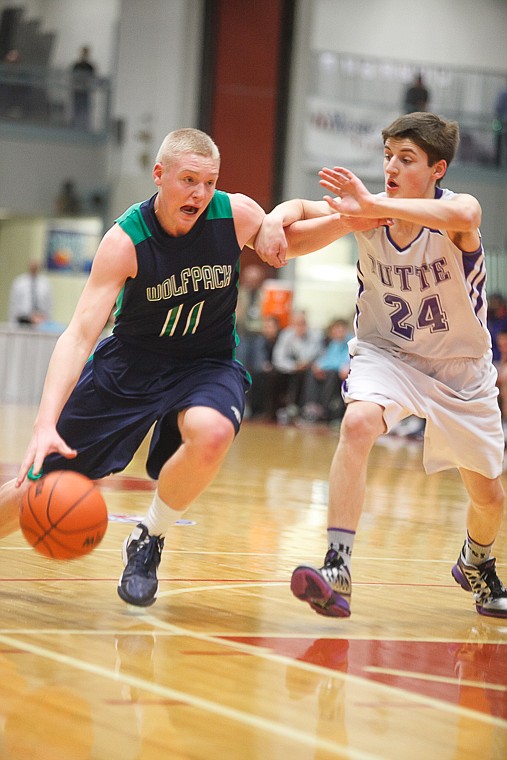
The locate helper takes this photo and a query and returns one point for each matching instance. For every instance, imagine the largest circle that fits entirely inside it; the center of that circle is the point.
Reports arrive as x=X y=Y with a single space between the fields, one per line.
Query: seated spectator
x=297 y=347
x=248 y=311
x=322 y=400
x=500 y=126
x=262 y=400
x=501 y=366
x=497 y=320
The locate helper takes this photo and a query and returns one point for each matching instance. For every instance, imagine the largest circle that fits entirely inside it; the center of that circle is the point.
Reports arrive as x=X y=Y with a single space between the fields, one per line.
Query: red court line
x=255 y=581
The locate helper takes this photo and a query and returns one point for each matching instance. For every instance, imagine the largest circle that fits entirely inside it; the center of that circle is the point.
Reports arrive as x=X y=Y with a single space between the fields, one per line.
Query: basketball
x=63 y=515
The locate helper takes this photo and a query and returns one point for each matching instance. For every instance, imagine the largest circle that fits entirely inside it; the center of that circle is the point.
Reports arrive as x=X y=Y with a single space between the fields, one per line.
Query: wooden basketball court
x=228 y=665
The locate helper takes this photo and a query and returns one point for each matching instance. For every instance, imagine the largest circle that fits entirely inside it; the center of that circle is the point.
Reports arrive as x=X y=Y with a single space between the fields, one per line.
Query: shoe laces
x=492 y=580
x=332 y=558
x=336 y=572
x=148 y=551
x=485 y=582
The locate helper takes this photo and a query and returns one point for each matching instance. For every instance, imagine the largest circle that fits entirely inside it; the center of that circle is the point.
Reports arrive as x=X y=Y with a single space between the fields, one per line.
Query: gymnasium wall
x=152 y=49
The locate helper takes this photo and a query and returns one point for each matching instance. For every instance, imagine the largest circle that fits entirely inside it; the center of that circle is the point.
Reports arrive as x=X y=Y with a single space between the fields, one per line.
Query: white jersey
x=427 y=299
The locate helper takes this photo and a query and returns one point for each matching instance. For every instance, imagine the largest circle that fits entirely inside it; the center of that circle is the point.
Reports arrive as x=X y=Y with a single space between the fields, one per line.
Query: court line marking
x=374 y=685
x=250 y=649
x=190 y=552
x=435 y=679
x=237 y=634
x=253 y=721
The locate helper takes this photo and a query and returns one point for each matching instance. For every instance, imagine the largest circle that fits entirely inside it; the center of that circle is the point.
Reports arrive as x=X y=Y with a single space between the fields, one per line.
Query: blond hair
x=186 y=140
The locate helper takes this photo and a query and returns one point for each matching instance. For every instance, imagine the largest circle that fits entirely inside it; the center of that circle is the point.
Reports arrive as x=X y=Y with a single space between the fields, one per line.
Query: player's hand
x=354 y=199
x=44 y=441
x=271 y=243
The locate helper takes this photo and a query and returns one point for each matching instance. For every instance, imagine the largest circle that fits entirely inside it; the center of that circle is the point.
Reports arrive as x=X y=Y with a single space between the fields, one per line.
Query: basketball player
x=421 y=347
x=171 y=264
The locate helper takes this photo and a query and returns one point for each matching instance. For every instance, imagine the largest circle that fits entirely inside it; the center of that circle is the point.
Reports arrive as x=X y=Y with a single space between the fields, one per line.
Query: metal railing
x=54 y=98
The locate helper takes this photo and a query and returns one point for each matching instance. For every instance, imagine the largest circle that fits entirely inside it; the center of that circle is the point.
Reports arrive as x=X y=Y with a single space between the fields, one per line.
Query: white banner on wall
x=343 y=133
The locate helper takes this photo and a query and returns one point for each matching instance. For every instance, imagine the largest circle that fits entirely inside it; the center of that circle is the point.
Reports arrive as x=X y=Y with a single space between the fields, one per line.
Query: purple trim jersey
x=426 y=299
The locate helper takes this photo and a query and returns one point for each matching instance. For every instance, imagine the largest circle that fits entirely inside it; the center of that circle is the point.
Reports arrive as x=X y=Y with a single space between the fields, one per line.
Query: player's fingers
x=342 y=173
x=36 y=460
x=280 y=261
x=23 y=472
x=333 y=202
x=337 y=174
x=333 y=186
x=67 y=452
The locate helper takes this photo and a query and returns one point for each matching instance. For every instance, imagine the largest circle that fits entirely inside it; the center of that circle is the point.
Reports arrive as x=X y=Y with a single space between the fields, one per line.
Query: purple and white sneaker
x=489 y=592
x=327 y=590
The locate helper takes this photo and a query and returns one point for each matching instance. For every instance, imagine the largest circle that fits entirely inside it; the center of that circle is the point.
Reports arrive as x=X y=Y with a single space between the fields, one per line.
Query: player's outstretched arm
x=113 y=263
x=461 y=214
x=276 y=224
x=248 y=218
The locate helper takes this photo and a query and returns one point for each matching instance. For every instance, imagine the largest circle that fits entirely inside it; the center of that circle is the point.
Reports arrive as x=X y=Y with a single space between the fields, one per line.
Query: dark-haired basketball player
x=421 y=347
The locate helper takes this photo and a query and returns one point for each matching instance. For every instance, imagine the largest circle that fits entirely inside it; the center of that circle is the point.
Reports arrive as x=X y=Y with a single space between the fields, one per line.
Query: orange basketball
x=63 y=515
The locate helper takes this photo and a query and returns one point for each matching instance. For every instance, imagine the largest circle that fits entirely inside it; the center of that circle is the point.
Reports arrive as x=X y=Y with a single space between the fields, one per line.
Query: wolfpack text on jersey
x=182 y=301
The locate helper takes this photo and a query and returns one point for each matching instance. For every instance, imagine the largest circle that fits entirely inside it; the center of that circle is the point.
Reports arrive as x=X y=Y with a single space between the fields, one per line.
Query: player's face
x=186 y=185
x=406 y=170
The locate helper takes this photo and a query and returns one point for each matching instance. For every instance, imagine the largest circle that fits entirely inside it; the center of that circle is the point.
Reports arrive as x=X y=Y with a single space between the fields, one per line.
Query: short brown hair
x=437 y=137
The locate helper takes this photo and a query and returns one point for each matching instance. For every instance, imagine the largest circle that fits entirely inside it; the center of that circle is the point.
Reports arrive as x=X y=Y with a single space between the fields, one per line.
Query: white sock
x=161 y=516
x=476 y=554
x=342 y=541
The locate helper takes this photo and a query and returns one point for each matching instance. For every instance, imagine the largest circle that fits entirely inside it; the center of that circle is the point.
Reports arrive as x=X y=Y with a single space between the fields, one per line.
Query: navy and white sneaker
x=141 y=556
x=328 y=589
x=489 y=592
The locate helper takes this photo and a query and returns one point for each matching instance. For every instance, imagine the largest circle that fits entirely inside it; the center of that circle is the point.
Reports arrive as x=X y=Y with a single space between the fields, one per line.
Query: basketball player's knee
x=11 y=496
x=359 y=426
x=213 y=442
x=492 y=500
x=498 y=500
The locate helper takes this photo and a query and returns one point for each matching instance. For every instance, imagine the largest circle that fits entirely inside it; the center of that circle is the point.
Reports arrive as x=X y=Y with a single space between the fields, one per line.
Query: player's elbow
x=471 y=219
x=470 y=215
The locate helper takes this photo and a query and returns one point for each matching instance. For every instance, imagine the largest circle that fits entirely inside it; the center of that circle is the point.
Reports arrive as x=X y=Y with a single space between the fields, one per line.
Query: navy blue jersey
x=182 y=302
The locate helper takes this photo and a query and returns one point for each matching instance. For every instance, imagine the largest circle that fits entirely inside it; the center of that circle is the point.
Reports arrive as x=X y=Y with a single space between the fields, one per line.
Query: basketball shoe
x=141 y=557
x=488 y=590
x=326 y=590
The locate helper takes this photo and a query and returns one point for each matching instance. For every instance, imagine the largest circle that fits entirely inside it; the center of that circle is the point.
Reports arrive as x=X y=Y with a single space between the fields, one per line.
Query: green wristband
x=31 y=475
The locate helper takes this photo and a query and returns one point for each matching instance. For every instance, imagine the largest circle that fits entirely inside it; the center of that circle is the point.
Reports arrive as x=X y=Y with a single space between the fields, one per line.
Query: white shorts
x=458 y=398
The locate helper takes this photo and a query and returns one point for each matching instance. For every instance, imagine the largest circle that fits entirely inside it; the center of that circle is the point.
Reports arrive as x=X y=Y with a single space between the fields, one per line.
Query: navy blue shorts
x=123 y=391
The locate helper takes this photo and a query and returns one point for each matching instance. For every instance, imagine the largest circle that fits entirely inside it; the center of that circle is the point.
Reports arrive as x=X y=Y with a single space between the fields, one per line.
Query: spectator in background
x=15 y=94
x=249 y=312
x=30 y=300
x=497 y=320
x=501 y=125
x=501 y=366
x=297 y=347
x=67 y=202
x=322 y=399
x=83 y=72
x=417 y=96
x=262 y=399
